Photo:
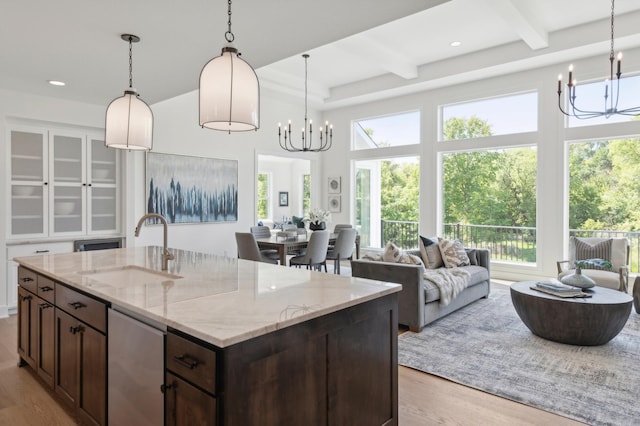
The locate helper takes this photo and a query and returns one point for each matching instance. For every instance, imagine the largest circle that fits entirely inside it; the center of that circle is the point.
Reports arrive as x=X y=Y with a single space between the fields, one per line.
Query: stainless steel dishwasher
x=136 y=371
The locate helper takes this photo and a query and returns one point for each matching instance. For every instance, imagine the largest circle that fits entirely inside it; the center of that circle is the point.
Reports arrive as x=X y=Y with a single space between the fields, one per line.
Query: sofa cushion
x=430 y=253
x=453 y=253
x=479 y=274
x=391 y=253
x=473 y=256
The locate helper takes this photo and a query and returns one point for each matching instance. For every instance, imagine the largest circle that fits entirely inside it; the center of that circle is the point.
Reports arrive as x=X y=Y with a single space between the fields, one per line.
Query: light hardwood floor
x=423 y=399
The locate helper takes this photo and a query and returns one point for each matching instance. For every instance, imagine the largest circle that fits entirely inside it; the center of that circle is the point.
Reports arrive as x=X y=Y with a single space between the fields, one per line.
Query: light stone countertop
x=220 y=300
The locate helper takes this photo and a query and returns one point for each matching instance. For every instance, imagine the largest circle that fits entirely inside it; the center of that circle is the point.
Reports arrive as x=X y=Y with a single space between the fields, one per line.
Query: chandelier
x=129 y=120
x=229 y=90
x=611 y=90
x=306 y=144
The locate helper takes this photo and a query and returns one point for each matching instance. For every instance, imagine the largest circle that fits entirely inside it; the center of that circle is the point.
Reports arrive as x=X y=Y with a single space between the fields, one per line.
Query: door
x=46 y=341
x=187 y=405
x=28 y=204
x=27 y=327
x=92 y=375
x=68 y=183
x=66 y=358
x=102 y=188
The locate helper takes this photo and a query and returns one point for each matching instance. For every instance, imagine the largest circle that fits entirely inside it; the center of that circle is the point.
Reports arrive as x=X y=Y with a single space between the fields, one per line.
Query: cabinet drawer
x=84 y=308
x=46 y=288
x=191 y=361
x=21 y=250
x=28 y=279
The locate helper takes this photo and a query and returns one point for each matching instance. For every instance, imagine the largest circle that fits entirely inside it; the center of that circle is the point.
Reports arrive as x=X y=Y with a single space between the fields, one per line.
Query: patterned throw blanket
x=450 y=281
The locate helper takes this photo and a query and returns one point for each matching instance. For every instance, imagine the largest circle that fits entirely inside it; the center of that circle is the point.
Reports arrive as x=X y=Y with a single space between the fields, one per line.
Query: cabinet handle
x=77 y=305
x=46 y=183
x=27 y=279
x=45 y=306
x=186 y=361
x=25 y=297
x=42 y=251
x=46 y=288
x=74 y=330
x=164 y=388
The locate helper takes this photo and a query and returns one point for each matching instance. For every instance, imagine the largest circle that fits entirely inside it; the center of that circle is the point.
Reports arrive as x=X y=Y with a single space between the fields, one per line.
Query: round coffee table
x=585 y=321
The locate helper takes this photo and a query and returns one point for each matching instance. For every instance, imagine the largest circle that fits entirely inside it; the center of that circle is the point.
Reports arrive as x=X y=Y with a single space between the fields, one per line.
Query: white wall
x=550 y=139
x=176 y=131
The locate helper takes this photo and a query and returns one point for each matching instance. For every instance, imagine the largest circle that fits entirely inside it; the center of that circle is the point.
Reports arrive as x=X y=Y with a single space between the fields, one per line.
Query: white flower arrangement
x=318 y=216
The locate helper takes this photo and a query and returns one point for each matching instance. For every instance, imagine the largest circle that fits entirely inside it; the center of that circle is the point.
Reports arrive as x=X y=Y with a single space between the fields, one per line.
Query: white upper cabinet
x=62 y=183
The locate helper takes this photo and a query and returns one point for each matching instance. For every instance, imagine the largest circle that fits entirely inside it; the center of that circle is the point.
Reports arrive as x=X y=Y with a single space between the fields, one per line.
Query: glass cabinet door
x=67 y=153
x=28 y=204
x=102 y=189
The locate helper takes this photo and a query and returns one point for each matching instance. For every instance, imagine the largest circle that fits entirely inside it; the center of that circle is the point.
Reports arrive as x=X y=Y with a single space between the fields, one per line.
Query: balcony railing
x=507 y=243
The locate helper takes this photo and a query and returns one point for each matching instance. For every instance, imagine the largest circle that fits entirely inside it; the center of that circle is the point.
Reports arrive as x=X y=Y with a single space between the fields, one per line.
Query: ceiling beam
x=525 y=25
x=379 y=55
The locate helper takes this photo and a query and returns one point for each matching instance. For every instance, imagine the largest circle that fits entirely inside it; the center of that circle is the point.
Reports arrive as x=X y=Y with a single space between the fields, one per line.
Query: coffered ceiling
x=360 y=49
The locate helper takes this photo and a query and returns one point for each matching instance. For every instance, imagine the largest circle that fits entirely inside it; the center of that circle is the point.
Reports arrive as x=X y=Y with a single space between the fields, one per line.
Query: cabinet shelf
x=103 y=215
x=66 y=160
x=26 y=217
x=26 y=177
x=26 y=157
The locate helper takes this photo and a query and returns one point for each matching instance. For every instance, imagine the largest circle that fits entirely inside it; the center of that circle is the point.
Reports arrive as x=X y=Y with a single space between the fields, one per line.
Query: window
x=489 y=200
x=590 y=97
x=387 y=199
x=264 y=202
x=306 y=193
x=489 y=117
x=604 y=183
x=389 y=130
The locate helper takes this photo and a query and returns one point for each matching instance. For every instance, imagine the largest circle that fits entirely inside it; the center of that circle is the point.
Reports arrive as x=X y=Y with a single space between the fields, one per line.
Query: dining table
x=286 y=245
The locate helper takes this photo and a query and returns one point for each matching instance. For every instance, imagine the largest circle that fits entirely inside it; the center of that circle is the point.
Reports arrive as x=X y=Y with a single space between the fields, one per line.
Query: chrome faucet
x=166 y=254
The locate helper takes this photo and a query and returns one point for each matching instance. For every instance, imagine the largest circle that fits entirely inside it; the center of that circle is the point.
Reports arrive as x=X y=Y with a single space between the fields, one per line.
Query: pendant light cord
x=305 y=88
x=130 y=62
x=229 y=35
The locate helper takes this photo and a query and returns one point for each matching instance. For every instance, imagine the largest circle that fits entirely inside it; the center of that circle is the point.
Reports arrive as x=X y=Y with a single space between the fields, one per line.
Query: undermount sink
x=123 y=276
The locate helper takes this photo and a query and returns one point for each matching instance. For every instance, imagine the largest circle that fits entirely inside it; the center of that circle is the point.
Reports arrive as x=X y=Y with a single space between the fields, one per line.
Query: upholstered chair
x=265 y=232
x=343 y=248
x=248 y=248
x=316 y=255
x=616 y=251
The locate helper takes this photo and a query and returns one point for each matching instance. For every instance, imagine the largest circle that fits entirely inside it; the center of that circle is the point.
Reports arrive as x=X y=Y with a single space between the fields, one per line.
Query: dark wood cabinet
x=186 y=404
x=339 y=369
x=81 y=366
x=46 y=341
x=62 y=335
x=27 y=327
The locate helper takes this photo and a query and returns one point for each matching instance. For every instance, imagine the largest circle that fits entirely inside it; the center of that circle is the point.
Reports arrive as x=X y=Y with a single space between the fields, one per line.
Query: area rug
x=486 y=346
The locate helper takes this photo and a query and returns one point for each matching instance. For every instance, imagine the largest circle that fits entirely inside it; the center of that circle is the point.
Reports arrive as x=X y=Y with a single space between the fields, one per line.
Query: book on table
x=556 y=288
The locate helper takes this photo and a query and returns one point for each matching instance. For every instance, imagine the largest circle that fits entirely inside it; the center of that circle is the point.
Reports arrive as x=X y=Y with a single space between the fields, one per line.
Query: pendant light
x=306 y=144
x=129 y=120
x=229 y=90
x=611 y=90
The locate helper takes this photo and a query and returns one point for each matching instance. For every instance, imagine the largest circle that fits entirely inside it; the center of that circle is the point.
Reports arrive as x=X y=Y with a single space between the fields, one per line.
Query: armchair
x=617 y=278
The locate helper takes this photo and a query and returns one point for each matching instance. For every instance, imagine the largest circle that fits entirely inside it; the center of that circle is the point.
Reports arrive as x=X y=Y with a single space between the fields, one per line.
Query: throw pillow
x=404 y=258
x=453 y=253
x=391 y=253
x=599 y=250
x=430 y=253
x=600 y=264
x=473 y=256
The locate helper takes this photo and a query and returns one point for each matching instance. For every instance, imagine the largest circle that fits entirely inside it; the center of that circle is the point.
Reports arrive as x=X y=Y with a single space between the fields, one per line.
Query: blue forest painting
x=187 y=189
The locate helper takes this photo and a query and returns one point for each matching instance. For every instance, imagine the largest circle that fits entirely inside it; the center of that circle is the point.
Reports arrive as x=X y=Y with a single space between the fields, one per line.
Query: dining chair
x=265 y=232
x=248 y=248
x=343 y=248
x=340 y=226
x=316 y=255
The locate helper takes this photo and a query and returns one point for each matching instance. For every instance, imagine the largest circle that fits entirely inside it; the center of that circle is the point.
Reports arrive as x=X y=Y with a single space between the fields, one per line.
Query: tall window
x=489 y=195
x=306 y=193
x=264 y=201
x=387 y=131
x=604 y=188
x=387 y=201
x=490 y=117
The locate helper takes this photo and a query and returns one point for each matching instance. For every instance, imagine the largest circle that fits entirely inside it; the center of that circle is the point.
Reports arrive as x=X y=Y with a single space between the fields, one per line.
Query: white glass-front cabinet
x=62 y=183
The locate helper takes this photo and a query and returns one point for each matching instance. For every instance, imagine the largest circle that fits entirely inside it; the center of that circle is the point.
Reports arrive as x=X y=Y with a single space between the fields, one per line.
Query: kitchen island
x=246 y=342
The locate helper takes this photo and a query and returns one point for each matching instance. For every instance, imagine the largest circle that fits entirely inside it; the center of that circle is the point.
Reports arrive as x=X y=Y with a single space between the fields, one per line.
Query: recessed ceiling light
x=456 y=43
x=56 y=83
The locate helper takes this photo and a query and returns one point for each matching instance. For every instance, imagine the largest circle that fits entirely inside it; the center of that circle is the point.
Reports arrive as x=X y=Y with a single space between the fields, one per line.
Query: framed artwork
x=334 y=185
x=283 y=198
x=334 y=204
x=187 y=189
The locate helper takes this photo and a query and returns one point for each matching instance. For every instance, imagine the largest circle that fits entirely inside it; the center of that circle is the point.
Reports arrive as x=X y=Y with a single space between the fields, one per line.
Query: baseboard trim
x=4 y=311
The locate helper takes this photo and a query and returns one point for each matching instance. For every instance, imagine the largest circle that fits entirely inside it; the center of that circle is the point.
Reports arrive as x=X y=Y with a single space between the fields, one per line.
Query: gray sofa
x=418 y=302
